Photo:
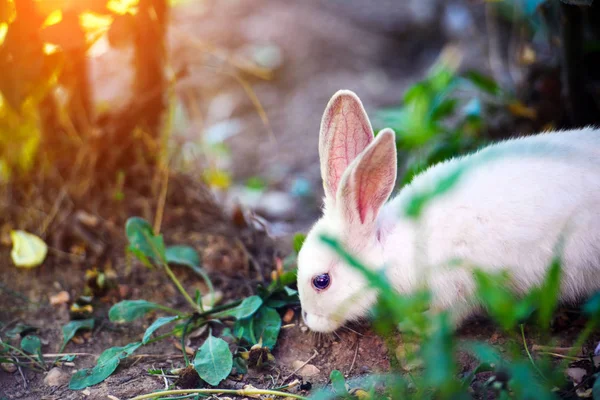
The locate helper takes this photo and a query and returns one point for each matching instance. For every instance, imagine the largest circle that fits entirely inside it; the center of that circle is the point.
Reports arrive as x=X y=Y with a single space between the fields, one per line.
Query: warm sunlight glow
x=122 y=6
x=3 y=30
x=53 y=18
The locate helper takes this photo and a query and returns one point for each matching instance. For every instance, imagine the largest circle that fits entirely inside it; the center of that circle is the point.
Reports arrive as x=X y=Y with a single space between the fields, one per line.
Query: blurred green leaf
x=142 y=240
x=31 y=344
x=482 y=82
x=549 y=293
x=72 y=327
x=438 y=353
x=182 y=255
x=298 y=241
x=339 y=383
x=592 y=307
x=129 y=310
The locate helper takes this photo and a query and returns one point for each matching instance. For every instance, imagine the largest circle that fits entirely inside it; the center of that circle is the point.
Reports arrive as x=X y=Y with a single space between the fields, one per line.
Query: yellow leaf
x=28 y=250
x=521 y=110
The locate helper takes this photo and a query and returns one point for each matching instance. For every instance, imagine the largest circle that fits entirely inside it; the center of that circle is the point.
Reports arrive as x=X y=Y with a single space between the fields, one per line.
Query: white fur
x=510 y=208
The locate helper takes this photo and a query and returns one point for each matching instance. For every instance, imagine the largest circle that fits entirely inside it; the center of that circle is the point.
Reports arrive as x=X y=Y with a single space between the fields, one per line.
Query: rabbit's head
x=358 y=172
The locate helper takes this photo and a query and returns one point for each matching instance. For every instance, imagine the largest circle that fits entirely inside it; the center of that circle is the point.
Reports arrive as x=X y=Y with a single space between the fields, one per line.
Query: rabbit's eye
x=321 y=282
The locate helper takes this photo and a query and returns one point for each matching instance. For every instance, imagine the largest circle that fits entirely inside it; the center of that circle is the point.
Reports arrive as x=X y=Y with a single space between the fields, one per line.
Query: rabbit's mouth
x=319 y=323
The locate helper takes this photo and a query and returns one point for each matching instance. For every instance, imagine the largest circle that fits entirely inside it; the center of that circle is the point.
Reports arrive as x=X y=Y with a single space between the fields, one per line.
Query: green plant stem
x=529 y=354
x=588 y=330
x=172 y=310
x=180 y=287
x=241 y=392
x=183 y=350
x=22 y=353
x=220 y=308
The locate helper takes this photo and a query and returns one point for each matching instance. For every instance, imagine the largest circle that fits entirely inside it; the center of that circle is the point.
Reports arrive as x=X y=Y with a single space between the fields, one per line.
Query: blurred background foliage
x=47 y=114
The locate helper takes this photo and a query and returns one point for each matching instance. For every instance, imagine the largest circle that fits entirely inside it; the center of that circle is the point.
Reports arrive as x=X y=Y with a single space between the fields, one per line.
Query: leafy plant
x=436 y=121
x=255 y=318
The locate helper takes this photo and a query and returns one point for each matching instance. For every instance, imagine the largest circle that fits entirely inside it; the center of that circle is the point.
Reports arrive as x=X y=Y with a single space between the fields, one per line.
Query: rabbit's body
x=514 y=206
x=508 y=210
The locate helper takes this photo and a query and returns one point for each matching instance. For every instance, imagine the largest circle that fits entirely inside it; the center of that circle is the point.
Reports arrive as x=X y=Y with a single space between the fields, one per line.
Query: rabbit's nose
x=304 y=315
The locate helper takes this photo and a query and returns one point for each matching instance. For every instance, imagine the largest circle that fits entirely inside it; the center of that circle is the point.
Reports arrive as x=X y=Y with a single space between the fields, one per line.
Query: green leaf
x=31 y=344
x=72 y=327
x=444 y=109
x=162 y=321
x=240 y=365
x=107 y=363
x=592 y=306
x=267 y=324
x=243 y=329
x=142 y=240
x=182 y=255
x=298 y=241
x=248 y=307
x=339 y=383
x=129 y=310
x=596 y=389
x=213 y=361
x=484 y=353
x=548 y=294
x=500 y=302
x=438 y=354
x=483 y=82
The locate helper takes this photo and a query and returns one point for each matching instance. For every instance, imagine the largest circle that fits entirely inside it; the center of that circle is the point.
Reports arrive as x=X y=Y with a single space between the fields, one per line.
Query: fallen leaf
x=518 y=109
x=188 y=349
x=28 y=249
x=8 y=367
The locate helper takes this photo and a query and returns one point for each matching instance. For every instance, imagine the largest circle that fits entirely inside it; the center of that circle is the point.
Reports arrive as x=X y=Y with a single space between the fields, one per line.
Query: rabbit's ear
x=369 y=181
x=345 y=133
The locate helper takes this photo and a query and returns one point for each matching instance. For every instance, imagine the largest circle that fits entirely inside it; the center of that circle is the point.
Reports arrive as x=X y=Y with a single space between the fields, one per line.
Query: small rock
x=56 y=377
x=304 y=329
x=8 y=367
x=576 y=374
x=62 y=297
x=307 y=370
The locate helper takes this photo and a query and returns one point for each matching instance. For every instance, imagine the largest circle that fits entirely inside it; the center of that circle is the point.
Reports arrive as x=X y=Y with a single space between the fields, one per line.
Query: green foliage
x=107 y=363
x=182 y=255
x=266 y=326
x=434 y=122
x=130 y=310
x=299 y=239
x=160 y=322
x=256 y=318
x=72 y=327
x=338 y=383
x=437 y=349
x=143 y=242
x=247 y=309
x=213 y=361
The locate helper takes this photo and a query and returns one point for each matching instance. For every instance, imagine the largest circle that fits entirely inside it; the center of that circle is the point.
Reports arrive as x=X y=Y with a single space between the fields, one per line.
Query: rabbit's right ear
x=345 y=133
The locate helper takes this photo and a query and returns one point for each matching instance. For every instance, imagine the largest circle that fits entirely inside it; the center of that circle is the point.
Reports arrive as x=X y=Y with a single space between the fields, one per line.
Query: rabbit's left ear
x=345 y=133
x=369 y=180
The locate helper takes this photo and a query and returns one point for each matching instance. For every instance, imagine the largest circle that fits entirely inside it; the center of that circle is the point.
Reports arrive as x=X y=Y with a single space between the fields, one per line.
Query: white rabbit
x=511 y=206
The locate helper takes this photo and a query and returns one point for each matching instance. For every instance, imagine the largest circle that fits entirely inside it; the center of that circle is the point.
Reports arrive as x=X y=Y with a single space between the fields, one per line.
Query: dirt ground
x=312 y=48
